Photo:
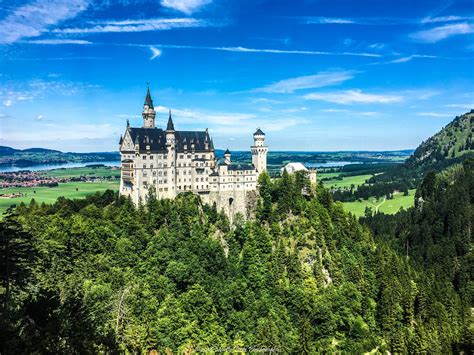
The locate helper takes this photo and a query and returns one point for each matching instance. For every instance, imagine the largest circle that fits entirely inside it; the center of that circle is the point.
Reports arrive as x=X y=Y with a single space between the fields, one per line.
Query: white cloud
x=410 y=57
x=461 y=106
x=442 y=32
x=445 y=19
x=334 y=110
x=186 y=6
x=140 y=25
x=265 y=100
x=377 y=46
x=59 y=41
x=229 y=123
x=155 y=53
x=39 y=118
x=192 y=116
x=27 y=91
x=434 y=114
x=354 y=96
x=329 y=20
x=282 y=51
x=53 y=131
x=262 y=50
x=308 y=82
x=32 y=19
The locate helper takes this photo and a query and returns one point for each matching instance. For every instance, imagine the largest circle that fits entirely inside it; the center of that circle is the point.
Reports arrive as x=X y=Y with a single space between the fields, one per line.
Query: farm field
x=383 y=205
x=50 y=194
x=83 y=171
x=346 y=182
x=327 y=175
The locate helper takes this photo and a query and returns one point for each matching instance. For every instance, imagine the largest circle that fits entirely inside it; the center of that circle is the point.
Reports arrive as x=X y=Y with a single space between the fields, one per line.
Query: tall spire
x=148 y=111
x=170 y=125
x=148 y=100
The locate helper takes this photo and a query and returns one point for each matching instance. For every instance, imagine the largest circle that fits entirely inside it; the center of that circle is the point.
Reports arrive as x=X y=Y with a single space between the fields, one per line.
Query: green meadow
x=83 y=171
x=50 y=194
x=346 y=182
x=383 y=205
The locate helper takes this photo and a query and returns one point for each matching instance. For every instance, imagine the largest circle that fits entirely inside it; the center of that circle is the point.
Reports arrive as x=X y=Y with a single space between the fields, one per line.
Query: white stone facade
x=174 y=162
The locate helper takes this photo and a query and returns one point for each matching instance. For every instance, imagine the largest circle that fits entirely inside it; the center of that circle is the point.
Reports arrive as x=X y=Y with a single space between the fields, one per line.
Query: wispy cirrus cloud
x=380 y=21
x=446 y=19
x=354 y=97
x=240 y=49
x=461 y=106
x=434 y=114
x=155 y=53
x=33 y=19
x=329 y=20
x=308 y=82
x=410 y=58
x=228 y=123
x=13 y=93
x=192 y=116
x=59 y=41
x=439 y=33
x=137 y=25
x=186 y=6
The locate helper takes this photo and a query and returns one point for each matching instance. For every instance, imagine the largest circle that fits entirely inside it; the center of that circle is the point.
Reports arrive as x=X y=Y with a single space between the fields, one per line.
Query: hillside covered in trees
x=452 y=145
x=99 y=275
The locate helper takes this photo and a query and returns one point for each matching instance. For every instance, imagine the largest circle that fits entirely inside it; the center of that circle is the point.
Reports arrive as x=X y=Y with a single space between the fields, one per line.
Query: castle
x=170 y=162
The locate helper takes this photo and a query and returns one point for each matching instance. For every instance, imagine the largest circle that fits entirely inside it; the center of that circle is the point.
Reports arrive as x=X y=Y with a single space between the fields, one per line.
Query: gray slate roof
x=240 y=167
x=148 y=100
x=156 y=139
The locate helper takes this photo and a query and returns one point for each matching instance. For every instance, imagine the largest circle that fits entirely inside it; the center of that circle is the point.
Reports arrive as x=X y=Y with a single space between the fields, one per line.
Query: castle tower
x=259 y=151
x=171 y=159
x=148 y=111
x=227 y=156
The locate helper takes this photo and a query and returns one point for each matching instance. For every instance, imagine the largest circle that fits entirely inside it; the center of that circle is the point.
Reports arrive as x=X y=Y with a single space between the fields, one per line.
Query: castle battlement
x=173 y=162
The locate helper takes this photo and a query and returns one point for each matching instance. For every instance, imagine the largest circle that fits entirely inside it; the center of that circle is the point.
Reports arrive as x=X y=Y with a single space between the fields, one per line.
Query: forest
x=99 y=275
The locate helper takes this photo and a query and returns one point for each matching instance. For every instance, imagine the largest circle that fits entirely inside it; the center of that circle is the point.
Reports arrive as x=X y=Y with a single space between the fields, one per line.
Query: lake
x=11 y=168
x=330 y=164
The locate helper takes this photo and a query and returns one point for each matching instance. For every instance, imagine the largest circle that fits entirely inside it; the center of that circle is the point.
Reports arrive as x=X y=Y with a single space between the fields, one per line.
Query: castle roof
x=155 y=138
x=148 y=100
x=240 y=167
x=227 y=151
x=170 y=125
x=293 y=167
x=259 y=132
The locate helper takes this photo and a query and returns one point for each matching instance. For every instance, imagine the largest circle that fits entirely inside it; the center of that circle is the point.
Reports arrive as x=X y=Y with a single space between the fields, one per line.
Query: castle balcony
x=128 y=171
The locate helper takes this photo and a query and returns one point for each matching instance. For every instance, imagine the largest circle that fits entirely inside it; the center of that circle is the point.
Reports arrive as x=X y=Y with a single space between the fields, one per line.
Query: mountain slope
x=453 y=143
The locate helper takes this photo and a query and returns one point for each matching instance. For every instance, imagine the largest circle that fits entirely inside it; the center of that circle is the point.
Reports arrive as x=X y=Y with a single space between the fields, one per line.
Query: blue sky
x=314 y=75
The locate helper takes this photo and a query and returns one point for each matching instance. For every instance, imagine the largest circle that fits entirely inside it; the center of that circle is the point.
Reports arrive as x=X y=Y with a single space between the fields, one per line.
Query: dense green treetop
x=99 y=275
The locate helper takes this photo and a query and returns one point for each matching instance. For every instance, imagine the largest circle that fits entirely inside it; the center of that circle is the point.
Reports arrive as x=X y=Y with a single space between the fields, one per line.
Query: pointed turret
x=148 y=100
x=227 y=156
x=148 y=111
x=170 y=125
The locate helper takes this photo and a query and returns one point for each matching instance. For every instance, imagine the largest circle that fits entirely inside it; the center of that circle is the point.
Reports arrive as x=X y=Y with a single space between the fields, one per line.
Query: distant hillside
x=452 y=144
x=38 y=156
x=9 y=150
